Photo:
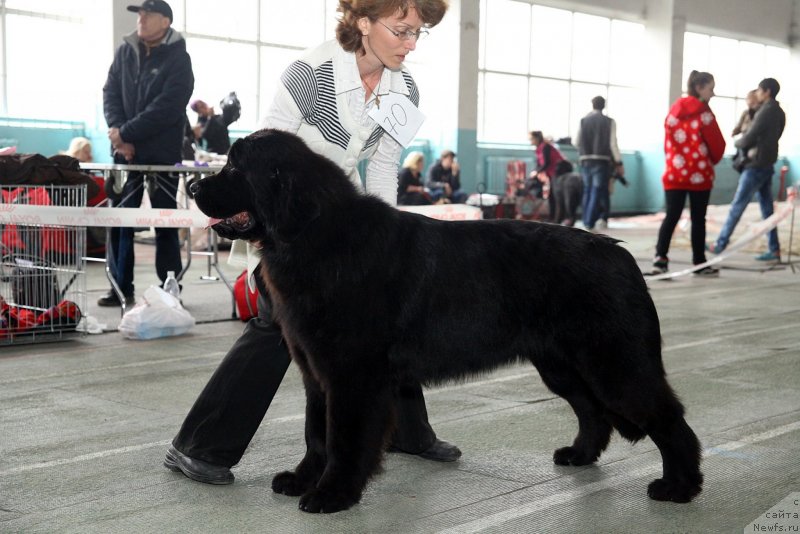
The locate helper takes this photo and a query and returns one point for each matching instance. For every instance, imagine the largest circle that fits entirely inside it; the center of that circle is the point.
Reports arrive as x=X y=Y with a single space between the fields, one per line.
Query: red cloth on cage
x=13 y=320
x=515 y=177
x=53 y=239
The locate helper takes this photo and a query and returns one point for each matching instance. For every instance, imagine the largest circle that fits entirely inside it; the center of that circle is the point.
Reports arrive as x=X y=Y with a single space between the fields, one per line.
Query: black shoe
x=111 y=299
x=707 y=272
x=198 y=470
x=440 y=451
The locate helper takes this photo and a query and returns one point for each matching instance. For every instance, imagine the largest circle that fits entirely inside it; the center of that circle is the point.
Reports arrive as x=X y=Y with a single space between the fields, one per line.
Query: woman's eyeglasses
x=406 y=35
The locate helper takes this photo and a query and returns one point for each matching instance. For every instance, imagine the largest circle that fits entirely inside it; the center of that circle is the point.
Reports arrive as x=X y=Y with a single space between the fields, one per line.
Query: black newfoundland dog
x=355 y=283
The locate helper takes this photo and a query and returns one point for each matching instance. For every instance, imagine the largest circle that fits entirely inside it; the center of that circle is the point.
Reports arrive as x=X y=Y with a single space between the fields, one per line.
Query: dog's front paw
x=321 y=501
x=288 y=483
x=671 y=490
x=573 y=456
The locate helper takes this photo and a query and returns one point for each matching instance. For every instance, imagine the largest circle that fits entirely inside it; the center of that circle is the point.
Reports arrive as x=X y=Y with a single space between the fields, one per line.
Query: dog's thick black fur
x=356 y=282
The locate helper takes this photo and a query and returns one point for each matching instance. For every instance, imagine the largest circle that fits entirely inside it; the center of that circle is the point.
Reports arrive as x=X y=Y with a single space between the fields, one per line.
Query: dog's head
x=273 y=186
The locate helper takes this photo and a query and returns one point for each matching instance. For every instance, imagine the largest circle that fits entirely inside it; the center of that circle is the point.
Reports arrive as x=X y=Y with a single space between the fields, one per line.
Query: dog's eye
x=233 y=171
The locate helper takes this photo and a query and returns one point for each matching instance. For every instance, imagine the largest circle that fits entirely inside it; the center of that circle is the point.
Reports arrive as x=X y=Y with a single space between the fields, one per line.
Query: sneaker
x=111 y=299
x=707 y=272
x=769 y=256
x=601 y=224
x=714 y=248
x=660 y=266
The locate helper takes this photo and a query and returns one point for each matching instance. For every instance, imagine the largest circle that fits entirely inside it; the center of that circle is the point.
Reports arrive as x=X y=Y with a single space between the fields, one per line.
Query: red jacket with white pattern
x=693 y=144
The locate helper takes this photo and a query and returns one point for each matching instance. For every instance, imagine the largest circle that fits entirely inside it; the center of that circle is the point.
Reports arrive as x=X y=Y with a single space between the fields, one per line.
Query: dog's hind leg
x=680 y=452
x=358 y=425
x=310 y=468
x=654 y=408
x=594 y=430
x=680 y=449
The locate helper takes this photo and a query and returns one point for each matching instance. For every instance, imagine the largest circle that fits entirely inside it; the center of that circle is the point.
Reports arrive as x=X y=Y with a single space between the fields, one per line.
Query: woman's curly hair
x=348 y=33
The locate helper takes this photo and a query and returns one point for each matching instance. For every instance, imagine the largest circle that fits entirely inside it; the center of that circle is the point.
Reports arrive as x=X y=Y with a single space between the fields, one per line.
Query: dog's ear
x=290 y=207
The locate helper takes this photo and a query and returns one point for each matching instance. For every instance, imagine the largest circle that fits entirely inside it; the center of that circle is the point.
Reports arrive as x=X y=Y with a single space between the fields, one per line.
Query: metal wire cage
x=42 y=269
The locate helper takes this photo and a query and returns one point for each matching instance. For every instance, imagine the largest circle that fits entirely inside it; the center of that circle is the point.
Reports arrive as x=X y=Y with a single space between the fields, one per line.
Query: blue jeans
x=754 y=181
x=596 y=174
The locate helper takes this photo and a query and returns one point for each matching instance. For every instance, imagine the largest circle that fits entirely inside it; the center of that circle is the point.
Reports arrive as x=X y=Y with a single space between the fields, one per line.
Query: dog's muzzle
x=241 y=222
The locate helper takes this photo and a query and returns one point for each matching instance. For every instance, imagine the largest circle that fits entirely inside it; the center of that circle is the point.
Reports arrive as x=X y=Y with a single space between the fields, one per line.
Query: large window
x=737 y=67
x=57 y=55
x=540 y=67
x=54 y=68
x=244 y=46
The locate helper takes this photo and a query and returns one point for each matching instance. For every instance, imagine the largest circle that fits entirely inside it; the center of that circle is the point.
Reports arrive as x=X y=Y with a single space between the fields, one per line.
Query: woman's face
x=85 y=155
x=706 y=91
x=420 y=165
x=388 y=48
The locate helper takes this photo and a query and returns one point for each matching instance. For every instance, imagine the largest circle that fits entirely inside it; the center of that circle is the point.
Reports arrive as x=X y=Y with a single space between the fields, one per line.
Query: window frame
x=573 y=112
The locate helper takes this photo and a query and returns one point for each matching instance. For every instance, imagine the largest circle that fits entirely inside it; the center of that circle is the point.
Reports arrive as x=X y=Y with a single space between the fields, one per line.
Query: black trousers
x=161 y=191
x=698 y=205
x=229 y=410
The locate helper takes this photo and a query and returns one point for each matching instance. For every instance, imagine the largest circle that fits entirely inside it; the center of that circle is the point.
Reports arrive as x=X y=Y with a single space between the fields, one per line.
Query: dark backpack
x=33 y=282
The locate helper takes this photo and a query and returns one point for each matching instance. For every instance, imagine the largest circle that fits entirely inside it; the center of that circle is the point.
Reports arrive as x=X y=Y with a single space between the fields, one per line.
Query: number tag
x=399 y=117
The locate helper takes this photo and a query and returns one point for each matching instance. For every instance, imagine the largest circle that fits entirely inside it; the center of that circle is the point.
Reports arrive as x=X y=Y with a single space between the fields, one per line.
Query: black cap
x=154 y=6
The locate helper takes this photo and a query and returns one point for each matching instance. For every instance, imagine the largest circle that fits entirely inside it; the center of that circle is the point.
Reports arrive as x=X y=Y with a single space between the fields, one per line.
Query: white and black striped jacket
x=321 y=98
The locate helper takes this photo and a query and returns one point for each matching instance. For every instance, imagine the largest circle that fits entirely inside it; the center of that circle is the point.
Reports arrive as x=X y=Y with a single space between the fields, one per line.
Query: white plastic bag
x=159 y=314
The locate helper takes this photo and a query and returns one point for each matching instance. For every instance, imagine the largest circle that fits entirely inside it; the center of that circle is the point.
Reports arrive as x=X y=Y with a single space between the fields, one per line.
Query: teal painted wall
x=643 y=169
x=46 y=138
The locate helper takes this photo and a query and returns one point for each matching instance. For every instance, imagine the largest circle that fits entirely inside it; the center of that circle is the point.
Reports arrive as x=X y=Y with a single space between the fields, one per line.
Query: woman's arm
x=381 y=179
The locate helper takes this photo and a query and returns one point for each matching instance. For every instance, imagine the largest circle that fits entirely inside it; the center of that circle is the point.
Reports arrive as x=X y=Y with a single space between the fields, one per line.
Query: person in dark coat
x=444 y=181
x=410 y=191
x=211 y=129
x=144 y=100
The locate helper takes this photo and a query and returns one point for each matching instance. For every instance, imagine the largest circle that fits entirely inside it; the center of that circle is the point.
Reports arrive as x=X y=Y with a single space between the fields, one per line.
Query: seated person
x=443 y=180
x=80 y=148
x=410 y=191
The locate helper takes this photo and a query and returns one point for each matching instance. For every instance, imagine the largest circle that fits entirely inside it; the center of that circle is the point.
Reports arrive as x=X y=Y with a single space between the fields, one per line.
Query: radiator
x=495 y=168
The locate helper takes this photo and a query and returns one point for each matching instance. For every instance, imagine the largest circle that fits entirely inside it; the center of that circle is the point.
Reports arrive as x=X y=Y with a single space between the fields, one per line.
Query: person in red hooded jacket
x=693 y=144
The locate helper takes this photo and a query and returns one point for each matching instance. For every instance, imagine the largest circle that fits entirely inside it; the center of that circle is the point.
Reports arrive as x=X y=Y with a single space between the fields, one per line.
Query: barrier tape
x=754 y=231
x=30 y=214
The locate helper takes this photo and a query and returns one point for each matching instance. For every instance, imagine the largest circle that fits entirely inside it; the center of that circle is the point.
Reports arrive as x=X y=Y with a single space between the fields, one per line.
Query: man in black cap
x=144 y=100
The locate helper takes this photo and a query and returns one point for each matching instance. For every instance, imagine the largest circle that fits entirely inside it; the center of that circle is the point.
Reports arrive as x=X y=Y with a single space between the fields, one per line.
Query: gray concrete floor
x=84 y=424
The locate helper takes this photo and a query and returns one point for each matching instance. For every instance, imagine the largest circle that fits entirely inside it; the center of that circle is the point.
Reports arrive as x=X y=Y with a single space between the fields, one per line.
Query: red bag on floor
x=246 y=300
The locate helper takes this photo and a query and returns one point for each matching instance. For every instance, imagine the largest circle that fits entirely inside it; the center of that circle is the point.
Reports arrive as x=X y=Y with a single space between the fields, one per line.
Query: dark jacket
x=763 y=134
x=406 y=178
x=216 y=136
x=595 y=138
x=438 y=176
x=145 y=96
x=35 y=169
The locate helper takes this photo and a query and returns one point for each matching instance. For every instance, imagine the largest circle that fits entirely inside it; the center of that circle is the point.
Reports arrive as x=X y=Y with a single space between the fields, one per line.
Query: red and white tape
x=29 y=214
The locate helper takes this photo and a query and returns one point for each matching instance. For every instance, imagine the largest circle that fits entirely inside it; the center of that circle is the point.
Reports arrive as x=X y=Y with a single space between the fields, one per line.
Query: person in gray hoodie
x=763 y=135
